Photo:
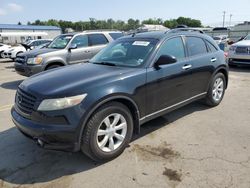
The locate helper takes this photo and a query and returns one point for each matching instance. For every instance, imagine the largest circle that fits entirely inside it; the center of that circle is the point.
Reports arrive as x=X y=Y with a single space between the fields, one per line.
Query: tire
x=1 y=55
x=216 y=90
x=52 y=67
x=100 y=148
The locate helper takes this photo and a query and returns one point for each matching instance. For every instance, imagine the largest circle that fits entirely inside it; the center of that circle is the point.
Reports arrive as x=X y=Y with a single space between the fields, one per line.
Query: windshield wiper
x=105 y=63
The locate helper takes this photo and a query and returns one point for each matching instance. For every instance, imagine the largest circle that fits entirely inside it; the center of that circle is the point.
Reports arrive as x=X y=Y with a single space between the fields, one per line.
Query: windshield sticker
x=141 y=43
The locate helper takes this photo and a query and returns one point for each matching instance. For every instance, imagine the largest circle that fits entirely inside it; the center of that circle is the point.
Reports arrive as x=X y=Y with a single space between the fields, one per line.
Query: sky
x=209 y=12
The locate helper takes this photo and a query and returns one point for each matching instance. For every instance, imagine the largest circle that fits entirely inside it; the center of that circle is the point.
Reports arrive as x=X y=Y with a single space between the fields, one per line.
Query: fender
x=53 y=61
x=222 y=68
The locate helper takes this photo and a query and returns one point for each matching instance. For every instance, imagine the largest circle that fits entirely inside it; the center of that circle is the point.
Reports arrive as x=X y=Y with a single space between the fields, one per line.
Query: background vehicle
x=97 y=106
x=3 y=47
x=66 y=49
x=15 y=50
x=239 y=53
x=221 y=39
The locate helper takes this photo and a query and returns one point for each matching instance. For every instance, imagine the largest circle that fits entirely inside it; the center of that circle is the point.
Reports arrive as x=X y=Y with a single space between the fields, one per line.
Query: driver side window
x=173 y=47
x=80 y=41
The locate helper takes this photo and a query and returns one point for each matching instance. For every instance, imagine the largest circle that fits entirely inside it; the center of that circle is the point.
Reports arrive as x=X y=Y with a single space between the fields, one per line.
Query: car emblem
x=19 y=99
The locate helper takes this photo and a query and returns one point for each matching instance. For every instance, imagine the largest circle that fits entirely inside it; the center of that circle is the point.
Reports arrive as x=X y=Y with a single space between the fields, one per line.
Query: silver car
x=64 y=50
x=239 y=53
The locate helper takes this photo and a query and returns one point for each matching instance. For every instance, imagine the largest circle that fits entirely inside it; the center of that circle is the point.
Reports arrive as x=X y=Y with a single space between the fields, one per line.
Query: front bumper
x=49 y=136
x=26 y=70
x=238 y=59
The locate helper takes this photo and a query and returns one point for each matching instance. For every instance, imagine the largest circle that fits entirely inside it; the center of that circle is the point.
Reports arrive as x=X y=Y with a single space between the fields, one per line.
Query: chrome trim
x=174 y=105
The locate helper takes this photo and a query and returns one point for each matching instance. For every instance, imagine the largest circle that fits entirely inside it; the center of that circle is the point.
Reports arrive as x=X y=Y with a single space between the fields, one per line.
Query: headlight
x=232 y=48
x=35 y=61
x=61 y=103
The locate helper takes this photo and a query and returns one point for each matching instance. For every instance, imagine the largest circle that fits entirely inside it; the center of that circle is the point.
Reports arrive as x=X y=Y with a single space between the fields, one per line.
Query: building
x=13 y=34
x=245 y=26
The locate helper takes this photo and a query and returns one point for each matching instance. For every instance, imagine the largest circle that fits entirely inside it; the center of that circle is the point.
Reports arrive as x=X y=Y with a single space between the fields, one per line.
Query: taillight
x=226 y=54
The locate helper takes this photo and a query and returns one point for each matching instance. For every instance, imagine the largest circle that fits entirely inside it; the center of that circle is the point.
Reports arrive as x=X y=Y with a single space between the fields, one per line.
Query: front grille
x=242 y=50
x=241 y=60
x=20 y=59
x=25 y=101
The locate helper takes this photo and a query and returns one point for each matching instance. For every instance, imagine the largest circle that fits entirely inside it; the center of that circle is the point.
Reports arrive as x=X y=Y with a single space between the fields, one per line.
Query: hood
x=242 y=43
x=72 y=80
x=36 y=52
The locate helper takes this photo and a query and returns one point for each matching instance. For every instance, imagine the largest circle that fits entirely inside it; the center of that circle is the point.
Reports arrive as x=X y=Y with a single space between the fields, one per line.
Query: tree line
x=130 y=24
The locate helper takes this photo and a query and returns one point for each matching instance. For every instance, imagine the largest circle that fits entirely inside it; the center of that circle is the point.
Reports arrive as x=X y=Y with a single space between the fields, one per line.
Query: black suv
x=95 y=107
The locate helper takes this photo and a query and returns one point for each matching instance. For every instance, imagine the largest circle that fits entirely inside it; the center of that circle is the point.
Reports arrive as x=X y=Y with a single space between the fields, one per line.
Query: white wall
x=18 y=39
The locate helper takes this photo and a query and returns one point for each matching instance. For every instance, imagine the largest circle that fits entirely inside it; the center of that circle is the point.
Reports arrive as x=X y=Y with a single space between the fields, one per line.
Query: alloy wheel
x=111 y=132
x=218 y=89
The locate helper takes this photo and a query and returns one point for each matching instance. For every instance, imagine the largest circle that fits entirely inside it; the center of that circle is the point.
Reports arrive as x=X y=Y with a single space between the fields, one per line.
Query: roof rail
x=184 y=29
x=100 y=30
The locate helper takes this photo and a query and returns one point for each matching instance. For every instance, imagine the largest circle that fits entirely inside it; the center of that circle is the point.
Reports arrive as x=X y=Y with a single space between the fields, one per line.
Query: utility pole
x=230 y=20
x=224 y=15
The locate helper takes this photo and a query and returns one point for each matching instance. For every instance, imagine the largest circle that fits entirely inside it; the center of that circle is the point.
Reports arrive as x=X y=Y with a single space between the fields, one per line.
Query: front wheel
x=108 y=132
x=216 y=90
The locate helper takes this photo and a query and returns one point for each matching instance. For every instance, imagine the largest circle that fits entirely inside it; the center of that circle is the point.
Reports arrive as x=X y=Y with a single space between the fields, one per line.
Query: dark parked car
x=95 y=107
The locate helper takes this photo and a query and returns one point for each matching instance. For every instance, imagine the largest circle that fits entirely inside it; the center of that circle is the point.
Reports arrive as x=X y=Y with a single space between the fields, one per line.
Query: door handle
x=186 y=67
x=213 y=60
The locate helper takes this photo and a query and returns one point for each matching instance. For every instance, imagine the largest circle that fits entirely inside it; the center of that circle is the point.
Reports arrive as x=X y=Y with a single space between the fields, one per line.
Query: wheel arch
x=224 y=71
x=127 y=101
x=54 y=63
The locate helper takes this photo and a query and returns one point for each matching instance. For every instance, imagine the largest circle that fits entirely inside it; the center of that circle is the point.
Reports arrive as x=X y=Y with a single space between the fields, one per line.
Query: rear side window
x=173 y=47
x=196 y=46
x=80 y=41
x=211 y=47
x=97 y=39
x=116 y=35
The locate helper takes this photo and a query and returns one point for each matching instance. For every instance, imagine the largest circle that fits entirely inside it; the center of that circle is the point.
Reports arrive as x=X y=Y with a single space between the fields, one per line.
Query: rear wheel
x=108 y=132
x=216 y=90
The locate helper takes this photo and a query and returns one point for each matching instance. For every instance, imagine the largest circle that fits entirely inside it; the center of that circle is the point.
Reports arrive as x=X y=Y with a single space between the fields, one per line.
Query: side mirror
x=72 y=46
x=165 y=60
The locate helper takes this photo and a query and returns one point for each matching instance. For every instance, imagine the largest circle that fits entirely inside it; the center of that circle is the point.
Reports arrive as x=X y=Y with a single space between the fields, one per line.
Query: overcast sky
x=209 y=12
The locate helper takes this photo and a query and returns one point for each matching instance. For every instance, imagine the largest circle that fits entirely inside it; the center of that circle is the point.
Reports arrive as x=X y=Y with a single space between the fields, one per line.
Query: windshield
x=247 y=37
x=60 y=42
x=130 y=53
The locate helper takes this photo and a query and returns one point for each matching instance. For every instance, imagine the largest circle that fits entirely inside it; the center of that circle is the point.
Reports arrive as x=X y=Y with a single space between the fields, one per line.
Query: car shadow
x=10 y=67
x=6 y=61
x=13 y=85
x=23 y=162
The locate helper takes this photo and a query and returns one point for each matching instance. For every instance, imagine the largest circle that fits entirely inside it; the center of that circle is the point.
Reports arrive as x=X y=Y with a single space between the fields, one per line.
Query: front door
x=82 y=53
x=170 y=84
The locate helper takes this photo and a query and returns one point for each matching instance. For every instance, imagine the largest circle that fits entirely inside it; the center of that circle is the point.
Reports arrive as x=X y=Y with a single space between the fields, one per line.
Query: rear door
x=81 y=53
x=170 y=84
x=97 y=41
x=202 y=61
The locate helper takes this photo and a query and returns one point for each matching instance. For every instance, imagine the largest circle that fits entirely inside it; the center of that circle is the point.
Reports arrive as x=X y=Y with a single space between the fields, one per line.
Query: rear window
x=211 y=47
x=196 y=46
x=116 y=35
x=97 y=39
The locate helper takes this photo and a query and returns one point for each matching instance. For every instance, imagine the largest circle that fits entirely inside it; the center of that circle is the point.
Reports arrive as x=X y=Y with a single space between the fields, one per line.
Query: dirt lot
x=193 y=147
